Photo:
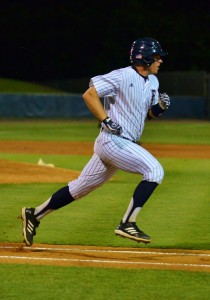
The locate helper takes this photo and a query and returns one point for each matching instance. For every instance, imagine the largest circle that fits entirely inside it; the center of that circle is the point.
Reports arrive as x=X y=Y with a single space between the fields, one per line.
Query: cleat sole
x=124 y=235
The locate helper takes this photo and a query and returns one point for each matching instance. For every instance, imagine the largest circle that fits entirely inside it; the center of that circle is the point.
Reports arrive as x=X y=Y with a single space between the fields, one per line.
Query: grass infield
x=176 y=216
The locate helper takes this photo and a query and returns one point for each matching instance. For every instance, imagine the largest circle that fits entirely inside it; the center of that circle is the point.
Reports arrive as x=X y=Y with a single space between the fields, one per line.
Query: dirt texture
x=86 y=148
x=17 y=172
x=105 y=257
x=71 y=255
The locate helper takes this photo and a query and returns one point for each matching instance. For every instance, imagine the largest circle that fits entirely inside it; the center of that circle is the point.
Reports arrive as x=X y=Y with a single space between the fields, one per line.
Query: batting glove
x=113 y=127
x=164 y=101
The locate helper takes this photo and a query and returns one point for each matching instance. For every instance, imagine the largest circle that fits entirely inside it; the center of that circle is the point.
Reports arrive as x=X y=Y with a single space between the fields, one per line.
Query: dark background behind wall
x=64 y=43
x=54 y=40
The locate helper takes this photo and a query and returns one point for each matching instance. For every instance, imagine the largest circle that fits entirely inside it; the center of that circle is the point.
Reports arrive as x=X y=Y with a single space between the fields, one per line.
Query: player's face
x=154 y=67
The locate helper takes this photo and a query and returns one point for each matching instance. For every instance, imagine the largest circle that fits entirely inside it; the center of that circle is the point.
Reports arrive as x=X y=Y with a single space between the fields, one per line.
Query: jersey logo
x=153 y=96
x=131 y=85
x=108 y=100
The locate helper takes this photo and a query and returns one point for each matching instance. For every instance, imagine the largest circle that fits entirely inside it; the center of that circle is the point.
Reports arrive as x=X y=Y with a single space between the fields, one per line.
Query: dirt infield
x=86 y=148
x=105 y=257
x=16 y=172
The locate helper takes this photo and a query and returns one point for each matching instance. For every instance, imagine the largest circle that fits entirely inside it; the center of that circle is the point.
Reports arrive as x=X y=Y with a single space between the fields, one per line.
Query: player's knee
x=158 y=173
x=155 y=174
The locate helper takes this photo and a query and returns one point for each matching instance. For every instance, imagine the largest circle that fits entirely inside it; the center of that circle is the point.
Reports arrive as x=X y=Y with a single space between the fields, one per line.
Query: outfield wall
x=73 y=106
x=189 y=92
x=43 y=106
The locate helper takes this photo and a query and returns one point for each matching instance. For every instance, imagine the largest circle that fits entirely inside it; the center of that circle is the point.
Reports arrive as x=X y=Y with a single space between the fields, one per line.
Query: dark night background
x=54 y=40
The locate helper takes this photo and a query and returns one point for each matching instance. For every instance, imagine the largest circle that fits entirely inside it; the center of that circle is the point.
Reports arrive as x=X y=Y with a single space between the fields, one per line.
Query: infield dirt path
x=16 y=172
x=106 y=257
x=86 y=148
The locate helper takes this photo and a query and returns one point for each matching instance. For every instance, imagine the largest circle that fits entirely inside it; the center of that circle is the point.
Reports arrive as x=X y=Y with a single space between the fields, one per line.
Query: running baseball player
x=130 y=96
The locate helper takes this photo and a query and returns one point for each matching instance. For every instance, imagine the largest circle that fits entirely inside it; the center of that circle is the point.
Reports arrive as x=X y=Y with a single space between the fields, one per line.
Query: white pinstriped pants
x=111 y=153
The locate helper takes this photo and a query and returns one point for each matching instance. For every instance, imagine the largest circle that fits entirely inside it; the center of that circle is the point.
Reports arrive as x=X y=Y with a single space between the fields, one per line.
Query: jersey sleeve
x=107 y=84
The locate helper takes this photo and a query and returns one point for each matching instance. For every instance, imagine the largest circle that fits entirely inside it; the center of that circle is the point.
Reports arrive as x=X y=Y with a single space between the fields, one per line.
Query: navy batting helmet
x=142 y=51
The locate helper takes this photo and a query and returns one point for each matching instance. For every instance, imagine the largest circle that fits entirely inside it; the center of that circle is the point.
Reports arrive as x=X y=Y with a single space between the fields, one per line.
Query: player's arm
x=93 y=102
x=158 y=109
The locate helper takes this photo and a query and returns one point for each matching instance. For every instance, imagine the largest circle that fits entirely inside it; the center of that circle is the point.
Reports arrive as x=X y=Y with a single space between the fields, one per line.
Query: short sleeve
x=107 y=84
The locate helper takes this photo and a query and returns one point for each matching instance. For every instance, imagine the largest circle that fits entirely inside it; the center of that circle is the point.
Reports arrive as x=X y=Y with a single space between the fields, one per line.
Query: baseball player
x=130 y=96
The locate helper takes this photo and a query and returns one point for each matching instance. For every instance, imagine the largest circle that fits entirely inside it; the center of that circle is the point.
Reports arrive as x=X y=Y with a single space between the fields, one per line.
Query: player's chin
x=156 y=71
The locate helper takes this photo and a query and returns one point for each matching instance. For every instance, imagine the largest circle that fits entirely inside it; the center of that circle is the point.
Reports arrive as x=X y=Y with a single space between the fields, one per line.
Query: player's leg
x=131 y=157
x=95 y=173
x=152 y=171
x=153 y=174
x=31 y=216
x=127 y=226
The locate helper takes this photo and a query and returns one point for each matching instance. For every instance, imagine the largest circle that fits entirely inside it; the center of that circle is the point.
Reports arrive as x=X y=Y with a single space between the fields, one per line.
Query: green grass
x=177 y=132
x=100 y=284
x=156 y=131
x=73 y=162
x=176 y=213
x=178 y=209
x=23 y=87
x=39 y=130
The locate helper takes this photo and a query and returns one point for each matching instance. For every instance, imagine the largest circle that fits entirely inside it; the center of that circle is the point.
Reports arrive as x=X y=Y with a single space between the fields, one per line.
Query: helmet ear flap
x=148 y=61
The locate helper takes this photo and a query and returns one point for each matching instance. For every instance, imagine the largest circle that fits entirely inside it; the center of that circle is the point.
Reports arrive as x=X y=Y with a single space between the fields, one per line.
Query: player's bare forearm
x=94 y=104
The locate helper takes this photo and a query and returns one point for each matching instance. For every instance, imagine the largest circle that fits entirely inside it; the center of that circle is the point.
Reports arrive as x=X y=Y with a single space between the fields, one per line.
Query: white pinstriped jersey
x=127 y=98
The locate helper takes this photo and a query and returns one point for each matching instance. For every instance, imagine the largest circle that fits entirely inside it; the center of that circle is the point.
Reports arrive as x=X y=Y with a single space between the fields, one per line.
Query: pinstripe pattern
x=95 y=173
x=128 y=97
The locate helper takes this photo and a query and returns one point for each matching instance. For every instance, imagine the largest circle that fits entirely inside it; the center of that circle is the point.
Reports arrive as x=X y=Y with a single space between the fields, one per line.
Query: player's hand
x=113 y=127
x=164 y=101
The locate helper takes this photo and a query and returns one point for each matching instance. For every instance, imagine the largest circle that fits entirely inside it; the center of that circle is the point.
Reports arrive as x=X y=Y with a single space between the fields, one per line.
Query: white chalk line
x=107 y=251
x=103 y=261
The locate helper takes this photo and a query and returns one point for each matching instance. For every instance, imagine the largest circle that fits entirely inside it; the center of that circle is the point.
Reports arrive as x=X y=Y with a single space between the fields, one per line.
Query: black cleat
x=29 y=225
x=131 y=231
